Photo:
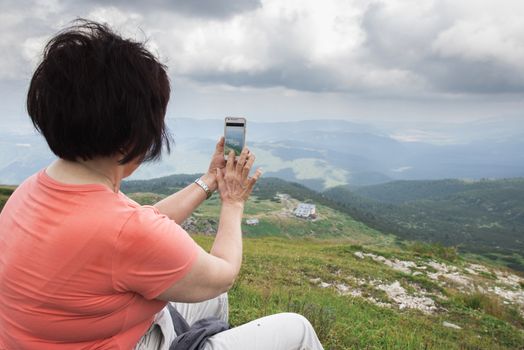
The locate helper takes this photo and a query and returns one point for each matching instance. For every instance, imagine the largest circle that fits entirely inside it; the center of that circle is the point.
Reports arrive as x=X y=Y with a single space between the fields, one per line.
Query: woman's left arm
x=180 y=205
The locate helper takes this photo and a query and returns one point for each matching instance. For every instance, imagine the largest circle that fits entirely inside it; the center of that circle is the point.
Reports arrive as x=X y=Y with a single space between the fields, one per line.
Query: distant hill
x=317 y=153
x=484 y=216
x=161 y=185
x=265 y=189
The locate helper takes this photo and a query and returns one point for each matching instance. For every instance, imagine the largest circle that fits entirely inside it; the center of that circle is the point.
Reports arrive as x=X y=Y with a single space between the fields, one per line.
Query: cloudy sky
x=383 y=61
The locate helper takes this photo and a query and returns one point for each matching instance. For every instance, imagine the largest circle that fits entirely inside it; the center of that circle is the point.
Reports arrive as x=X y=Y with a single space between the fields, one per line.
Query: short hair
x=95 y=94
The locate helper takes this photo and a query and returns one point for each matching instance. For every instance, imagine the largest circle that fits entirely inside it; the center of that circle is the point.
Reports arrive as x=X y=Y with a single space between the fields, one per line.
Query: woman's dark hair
x=96 y=94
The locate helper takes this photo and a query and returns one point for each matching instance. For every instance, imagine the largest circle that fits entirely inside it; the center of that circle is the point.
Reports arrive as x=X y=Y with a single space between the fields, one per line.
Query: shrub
x=434 y=250
x=322 y=318
x=491 y=306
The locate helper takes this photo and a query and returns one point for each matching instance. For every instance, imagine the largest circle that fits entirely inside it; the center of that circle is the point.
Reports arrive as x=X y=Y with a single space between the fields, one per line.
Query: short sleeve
x=151 y=253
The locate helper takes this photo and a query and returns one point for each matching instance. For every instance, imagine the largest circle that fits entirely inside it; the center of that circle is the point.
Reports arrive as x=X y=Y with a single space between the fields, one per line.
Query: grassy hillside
x=362 y=289
x=484 y=217
x=360 y=303
x=276 y=219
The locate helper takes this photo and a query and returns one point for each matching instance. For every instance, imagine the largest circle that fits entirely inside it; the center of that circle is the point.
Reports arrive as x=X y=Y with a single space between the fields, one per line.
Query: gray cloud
x=378 y=48
x=431 y=47
x=394 y=43
x=370 y=55
x=456 y=76
x=220 y=9
x=214 y=8
x=292 y=77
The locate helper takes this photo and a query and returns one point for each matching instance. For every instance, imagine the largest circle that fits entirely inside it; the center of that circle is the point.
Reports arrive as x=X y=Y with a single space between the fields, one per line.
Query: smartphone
x=235 y=135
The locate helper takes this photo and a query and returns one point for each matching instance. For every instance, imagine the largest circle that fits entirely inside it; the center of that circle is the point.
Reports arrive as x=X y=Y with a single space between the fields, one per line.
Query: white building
x=252 y=222
x=305 y=210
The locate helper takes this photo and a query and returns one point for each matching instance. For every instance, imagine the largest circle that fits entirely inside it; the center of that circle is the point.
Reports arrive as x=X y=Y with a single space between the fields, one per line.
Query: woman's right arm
x=215 y=272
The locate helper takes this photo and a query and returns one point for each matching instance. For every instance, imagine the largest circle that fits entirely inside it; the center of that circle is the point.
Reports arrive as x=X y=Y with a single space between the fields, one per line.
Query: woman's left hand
x=217 y=161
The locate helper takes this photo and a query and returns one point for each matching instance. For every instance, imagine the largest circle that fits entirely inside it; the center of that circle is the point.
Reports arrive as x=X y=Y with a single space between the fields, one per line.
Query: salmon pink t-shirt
x=81 y=266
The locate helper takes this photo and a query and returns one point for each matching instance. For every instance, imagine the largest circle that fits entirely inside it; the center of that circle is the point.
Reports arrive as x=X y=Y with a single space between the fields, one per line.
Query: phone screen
x=235 y=137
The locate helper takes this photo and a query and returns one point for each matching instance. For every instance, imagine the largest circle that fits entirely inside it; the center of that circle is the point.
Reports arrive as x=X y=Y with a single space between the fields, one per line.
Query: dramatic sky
x=383 y=61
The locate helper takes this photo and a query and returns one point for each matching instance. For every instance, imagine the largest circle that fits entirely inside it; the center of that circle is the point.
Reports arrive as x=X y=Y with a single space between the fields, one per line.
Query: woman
x=82 y=265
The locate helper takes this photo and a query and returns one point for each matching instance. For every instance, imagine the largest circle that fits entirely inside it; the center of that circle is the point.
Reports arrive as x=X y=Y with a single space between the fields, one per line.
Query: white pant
x=283 y=331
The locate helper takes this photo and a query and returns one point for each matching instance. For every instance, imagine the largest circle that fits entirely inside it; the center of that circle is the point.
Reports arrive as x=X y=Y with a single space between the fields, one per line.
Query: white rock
x=355 y=293
x=324 y=285
x=344 y=289
x=359 y=255
x=399 y=265
x=434 y=276
x=479 y=268
x=470 y=271
x=441 y=267
x=508 y=279
x=450 y=325
x=399 y=295
x=341 y=287
x=516 y=297
x=459 y=279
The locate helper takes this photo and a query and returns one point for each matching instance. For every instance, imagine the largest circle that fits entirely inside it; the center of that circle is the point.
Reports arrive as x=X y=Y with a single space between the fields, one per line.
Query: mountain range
x=319 y=154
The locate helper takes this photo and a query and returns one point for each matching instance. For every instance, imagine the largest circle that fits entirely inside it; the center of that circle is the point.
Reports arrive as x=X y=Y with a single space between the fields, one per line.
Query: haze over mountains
x=320 y=153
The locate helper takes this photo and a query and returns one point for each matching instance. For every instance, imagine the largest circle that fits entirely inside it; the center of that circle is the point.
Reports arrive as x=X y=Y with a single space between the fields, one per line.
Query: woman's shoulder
x=53 y=200
x=146 y=216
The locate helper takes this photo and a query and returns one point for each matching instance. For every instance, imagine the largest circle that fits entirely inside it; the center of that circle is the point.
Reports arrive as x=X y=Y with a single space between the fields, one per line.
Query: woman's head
x=96 y=94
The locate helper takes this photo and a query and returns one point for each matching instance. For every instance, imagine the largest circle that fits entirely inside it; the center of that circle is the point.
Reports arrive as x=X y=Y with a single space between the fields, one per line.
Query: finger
x=253 y=180
x=219 y=148
x=242 y=159
x=230 y=161
x=247 y=167
x=220 y=177
x=221 y=185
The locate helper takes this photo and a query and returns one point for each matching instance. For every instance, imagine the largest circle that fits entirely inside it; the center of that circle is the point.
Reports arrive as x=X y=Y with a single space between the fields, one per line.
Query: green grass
x=330 y=223
x=275 y=278
x=489 y=305
x=5 y=192
x=144 y=198
x=434 y=250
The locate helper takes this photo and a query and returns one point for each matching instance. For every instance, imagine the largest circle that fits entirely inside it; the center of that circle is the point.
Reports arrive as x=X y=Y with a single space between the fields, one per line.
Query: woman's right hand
x=234 y=183
x=215 y=272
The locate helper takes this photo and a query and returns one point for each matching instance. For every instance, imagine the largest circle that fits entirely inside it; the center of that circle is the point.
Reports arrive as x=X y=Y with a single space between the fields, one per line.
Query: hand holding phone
x=235 y=135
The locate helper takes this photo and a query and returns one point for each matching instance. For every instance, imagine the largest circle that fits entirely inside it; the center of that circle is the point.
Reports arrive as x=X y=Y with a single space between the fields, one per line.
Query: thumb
x=220 y=145
x=220 y=178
